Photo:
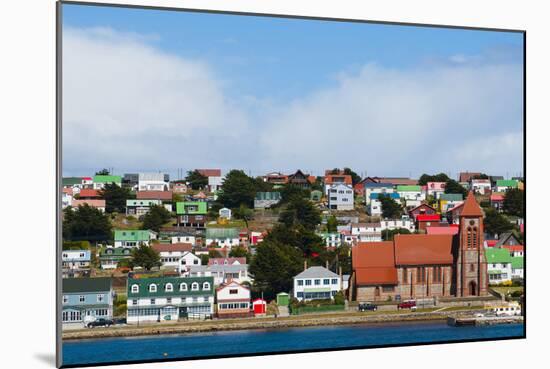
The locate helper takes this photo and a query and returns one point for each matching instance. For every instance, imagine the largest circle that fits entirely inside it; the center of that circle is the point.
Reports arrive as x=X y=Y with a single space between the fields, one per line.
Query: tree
x=103 y=172
x=425 y=178
x=115 y=197
x=204 y=259
x=145 y=257
x=300 y=211
x=354 y=176
x=85 y=223
x=244 y=213
x=452 y=186
x=196 y=180
x=496 y=223
x=390 y=208
x=237 y=189
x=481 y=176
x=240 y=252
x=290 y=192
x=514 y=202
x=262 y=186
x=156 y=217
x=332 y=224
x=388 y=234
x=273 y=267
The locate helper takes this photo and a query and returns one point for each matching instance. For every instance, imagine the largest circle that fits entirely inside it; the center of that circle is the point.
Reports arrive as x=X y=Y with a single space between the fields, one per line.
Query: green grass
x=505 y=290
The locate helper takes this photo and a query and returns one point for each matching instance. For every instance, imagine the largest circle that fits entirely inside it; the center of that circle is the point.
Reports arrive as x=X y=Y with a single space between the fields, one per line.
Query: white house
x=187 y=260
x=139 y=207
x=233 y=300
x=225 y=213
x=152 y=182
x=481 y=186
x=75 y=263
x=221 y=273
x=371 y=188
x=340 y=196
x=517 y=267
x=331 y=239
x=374 y=207
x=66 y=197
x=316 y=283
x=215 y=183
x=222 y=237
x=184 y=238
x=411 y=192
x=367 y=232
x=499 y=265
x=391 y=224
x=171 y=253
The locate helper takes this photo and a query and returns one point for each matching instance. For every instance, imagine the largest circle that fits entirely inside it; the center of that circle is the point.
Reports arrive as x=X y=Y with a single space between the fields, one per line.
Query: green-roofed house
x=139 y=207
x=169 y=298
x=499 y=265
x=264 y=200
x=503 y=185
x=100 y=181
x=86 y=299
x=222 y=237
x=109 y=257
x=192 y=214
x=133 y=237
x=411 y=193
x=316 y=195
x=71 y=182
x=517 y=267
x=447 y=201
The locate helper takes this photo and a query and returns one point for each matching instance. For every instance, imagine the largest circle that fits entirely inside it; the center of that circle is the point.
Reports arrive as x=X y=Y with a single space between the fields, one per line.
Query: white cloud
x=131 y=106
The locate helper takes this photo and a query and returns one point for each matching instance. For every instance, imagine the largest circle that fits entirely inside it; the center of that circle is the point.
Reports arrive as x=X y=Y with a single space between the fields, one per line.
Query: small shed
x=316 y=195
x=282 y=299
x=259 y=306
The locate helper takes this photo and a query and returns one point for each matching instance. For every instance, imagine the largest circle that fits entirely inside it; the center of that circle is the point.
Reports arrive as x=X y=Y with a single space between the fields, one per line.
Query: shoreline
x=248 y=324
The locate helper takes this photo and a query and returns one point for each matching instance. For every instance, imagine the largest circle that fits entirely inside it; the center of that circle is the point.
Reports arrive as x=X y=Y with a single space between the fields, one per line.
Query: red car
x=410 y=304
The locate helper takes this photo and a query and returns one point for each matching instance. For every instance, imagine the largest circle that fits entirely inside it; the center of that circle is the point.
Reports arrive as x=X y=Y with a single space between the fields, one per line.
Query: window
x=152 y=287
x=195 y=286
x=421 y=274
x=65 y=299
x=317 y=282
x=233 y=291
x=153 y=301
x=405 y=275
x=300 y=295
x=334 y=281
x=135 y=288
x=308 y=282
x=134 y=302
x=388 y=288
x=472 y=268
x=168 y=300
x=326 y=281
x=437 y=274
x=300 y=282
x=169 y=287
x=100 y=297
x=206 y=286
x=81 y=298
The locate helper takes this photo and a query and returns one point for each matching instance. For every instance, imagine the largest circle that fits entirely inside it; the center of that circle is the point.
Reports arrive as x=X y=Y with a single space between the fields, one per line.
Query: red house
x=422 y=209
x=427 y=220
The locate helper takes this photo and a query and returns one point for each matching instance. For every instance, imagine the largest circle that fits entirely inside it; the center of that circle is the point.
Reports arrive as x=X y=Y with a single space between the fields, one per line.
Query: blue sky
x=264 y=68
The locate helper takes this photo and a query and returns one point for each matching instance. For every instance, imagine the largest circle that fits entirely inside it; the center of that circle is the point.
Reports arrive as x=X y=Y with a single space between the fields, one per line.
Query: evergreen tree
x=115 y=197
x=514 y=203
x=390 y=208
x=496 y=223
x=332 y=224
x=85 y=223
x=237 y=189
x=145 y=257
x=196 y=180
x=156 y=217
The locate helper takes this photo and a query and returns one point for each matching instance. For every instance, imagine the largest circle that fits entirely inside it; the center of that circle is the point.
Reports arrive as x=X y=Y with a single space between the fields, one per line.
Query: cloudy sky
x=165 y=91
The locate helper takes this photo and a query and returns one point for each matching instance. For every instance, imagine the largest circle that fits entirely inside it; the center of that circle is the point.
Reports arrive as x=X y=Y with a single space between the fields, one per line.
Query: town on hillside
x=143 y=249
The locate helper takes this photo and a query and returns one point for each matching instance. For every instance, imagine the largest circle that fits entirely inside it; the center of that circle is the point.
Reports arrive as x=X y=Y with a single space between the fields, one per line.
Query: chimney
x=305 y=264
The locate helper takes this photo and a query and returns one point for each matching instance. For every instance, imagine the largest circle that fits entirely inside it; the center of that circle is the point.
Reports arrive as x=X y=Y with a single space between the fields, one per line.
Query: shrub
x=339 y=298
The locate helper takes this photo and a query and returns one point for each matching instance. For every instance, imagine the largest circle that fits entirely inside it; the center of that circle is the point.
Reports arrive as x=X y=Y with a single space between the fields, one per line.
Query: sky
x=151 y=90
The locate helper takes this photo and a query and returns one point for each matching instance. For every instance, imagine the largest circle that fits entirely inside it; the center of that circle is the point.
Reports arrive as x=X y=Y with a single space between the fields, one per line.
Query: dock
x=463 y=321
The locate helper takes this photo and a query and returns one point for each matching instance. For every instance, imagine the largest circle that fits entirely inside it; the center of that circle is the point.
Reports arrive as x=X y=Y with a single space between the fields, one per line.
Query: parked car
x=119 y=321
x=367 y=306
x=101 y=322
x=408 y=304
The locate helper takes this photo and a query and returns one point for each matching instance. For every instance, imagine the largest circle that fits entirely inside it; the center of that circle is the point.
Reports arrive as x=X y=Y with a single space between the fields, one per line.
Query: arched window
x=169 y=287
x=474 y=241
x=469 y=245
x=206 y=286
x=135 y=288
x=195 y=286
x=152 y=287
x=183 y=286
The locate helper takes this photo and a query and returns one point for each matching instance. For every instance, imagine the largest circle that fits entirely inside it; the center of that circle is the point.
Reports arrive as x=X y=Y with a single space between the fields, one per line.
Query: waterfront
x=212 y=344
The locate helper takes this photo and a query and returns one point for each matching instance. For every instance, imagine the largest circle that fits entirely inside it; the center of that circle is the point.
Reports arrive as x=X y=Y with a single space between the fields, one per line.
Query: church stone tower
x=471 y=263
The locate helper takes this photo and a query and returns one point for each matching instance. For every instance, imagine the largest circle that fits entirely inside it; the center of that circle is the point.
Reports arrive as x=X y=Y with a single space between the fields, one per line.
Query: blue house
x=86 y=299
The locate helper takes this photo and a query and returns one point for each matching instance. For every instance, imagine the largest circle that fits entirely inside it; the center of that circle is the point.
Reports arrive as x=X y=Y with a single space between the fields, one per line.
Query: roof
x=442 y=230
x=268 y=195
x=316 y=272
x=92 y=203
x=491 y=243
x=166 y=247
x=419 y=249
x=232 y=283
x=154 y=195
x=222 y=233
x=517 y=262
x=514 y=248
x=378 y=185
x=428 y=217
x=467 y=176
x=471 y=207
x=391 y=195
x=373 y=263
x=71 y=181
x=161 y=282
x=107 y=179
x=505 y=237
x=408 y=188
x=210 y=172
x=230 y=261
x=191 y=207
x=497 y=196
x=497 y=255
x=115 y=251
x=398 y=181
x=423 y=205
x=338 y=178
x=131 y=235
x=451 y=197
x=158 y=177
x=82 y=285
x=366 y=225
x=507 y=183
x=88 y=192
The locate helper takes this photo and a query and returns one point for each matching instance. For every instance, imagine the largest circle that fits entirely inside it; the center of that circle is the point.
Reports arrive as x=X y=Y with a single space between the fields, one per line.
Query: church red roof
x=373 y=263
x=471 y=207
x=420 y=249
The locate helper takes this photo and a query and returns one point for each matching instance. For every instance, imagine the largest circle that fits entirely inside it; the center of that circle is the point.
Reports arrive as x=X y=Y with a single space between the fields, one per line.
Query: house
x=86 y=299
x=214 y=176
x=179 y=187
x=264 y=200
x=507 y=238
x=276 y=178
x=191 y=214
x=256 y=237
x=259 y=307
x=499 y=265
x=424 y=221
x=66 y=197
x=109 y=257
x=316 y=283
x=422 y=209
x=405 y=223
x=169 y=299
x=375 y=187
x=140 y=207
x=367 y=232
x=221 y=273
x=515 y=250
x=89 y=194
x=75 y=263
x=334 y=179
x=411 y=192
x=331 y=239
x=171 y=253
x=162 y=196
x=227 y=261
x=497 y=200
x=481 y=186
x=435 y=189
x=153 y=182
x=374 y=207
x=130 y=180
x=517 y=267
x=187 y=260
x=98 y=204
x=494 y=180
x=447 y=201
x=183 y=237
x=340 y=196
x=468 y=176
x=224 y=213
x=222 y=237
x=233 y=300
x=316 y=195
x=503 y=185
x=72 y=182
x=133 y=237
x=300 y=179
x=422 y=265
x=100 y=181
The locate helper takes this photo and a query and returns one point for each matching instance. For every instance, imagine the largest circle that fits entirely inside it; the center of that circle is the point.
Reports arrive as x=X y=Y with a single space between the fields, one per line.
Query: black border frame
x=59 y=119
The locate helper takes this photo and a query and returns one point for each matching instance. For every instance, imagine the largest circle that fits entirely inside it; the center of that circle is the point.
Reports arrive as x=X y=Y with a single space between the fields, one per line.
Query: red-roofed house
x=424 y=265
x=422 y=209
x=497 y=200
x=154 y=195
x=98 y=204
x=88 y=194
x=515 y=250
x=427 y=220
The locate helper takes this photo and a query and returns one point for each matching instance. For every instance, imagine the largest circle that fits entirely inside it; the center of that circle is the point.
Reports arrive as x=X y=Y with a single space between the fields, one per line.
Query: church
x=416 y=266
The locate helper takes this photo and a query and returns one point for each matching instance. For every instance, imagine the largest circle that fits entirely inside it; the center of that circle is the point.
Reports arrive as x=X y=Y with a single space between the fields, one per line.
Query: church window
x=405 y=276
